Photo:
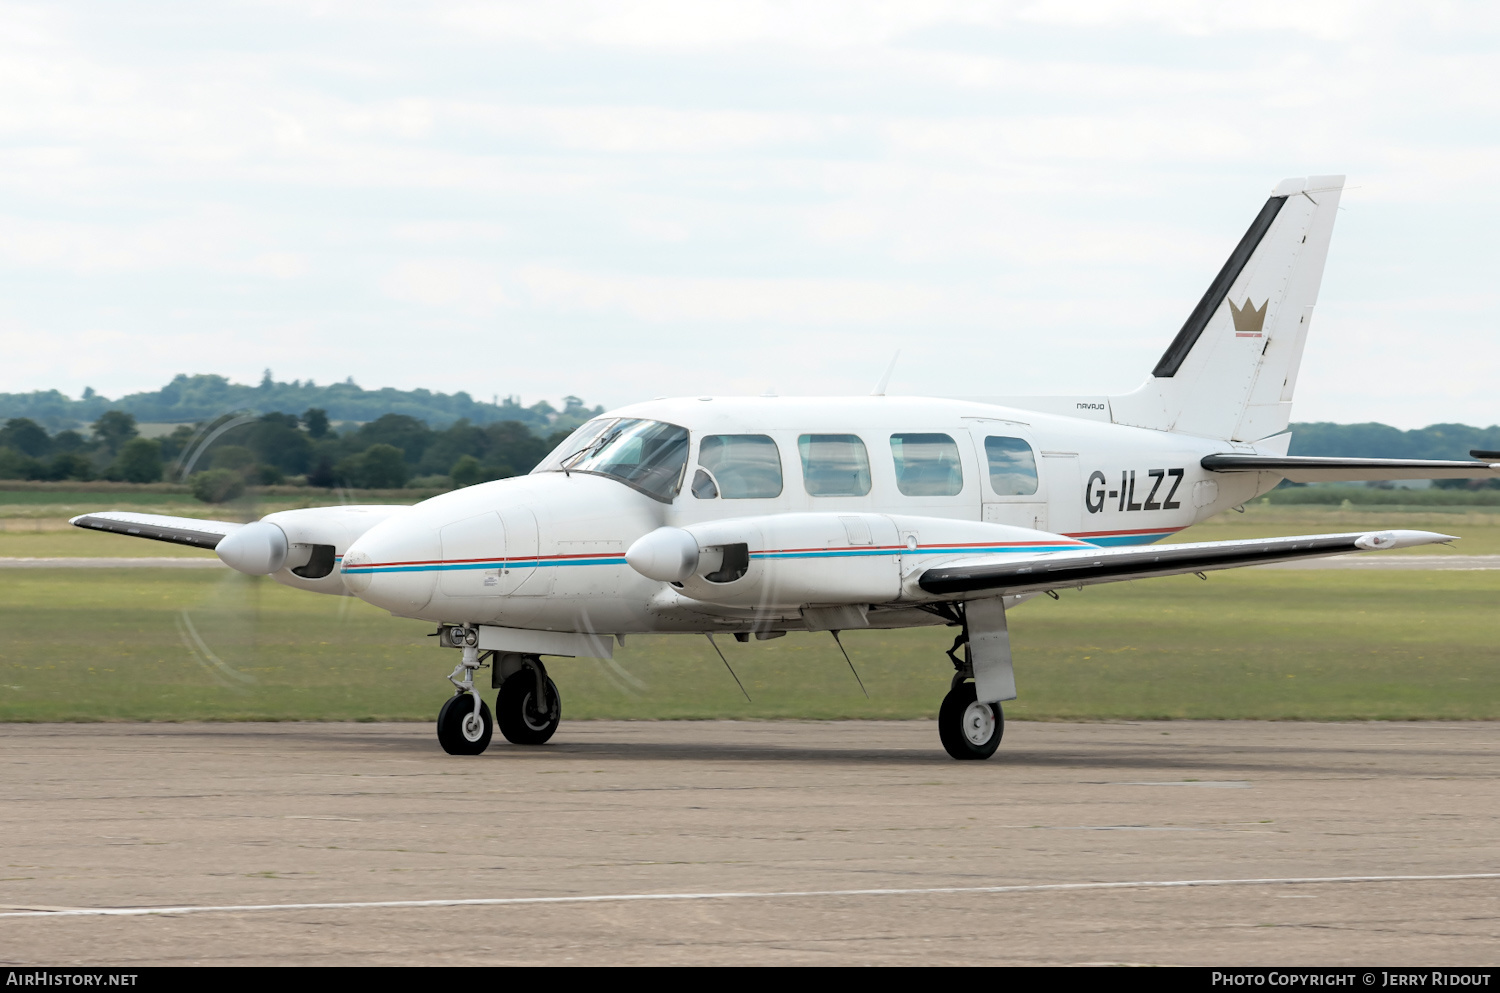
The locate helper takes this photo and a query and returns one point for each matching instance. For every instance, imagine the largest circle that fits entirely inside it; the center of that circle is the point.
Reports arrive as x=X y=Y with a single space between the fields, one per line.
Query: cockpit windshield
x=647 y=455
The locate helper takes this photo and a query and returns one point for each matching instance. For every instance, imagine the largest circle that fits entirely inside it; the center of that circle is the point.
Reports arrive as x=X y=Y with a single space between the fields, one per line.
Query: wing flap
x=1311 y=469
x=1035 y=574
x=159 y=527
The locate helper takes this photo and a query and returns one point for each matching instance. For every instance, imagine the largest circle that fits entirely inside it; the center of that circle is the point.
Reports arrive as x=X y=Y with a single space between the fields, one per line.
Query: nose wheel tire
x=521 y=720
x=459 y=731
x=969 y=729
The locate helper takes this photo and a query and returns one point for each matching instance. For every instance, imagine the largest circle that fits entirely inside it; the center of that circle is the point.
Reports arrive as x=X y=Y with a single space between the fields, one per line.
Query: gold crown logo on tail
x=1248 y=321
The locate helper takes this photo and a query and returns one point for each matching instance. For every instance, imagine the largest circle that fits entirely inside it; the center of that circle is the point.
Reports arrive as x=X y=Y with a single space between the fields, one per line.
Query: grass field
x=113 y=645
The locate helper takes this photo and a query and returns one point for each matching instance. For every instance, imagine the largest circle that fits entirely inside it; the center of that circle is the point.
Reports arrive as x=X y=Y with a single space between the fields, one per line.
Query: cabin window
x=834 y=464
x=649 y=456
x=927 y=465
x=737 y=467
x=1012 y=466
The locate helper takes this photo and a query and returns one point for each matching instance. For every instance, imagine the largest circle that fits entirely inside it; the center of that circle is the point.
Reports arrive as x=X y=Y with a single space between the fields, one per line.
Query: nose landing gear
x=528 y=708
x=464 y=726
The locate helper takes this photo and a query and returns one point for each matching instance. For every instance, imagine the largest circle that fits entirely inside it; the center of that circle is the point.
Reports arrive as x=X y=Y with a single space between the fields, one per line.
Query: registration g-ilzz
x=754 y=517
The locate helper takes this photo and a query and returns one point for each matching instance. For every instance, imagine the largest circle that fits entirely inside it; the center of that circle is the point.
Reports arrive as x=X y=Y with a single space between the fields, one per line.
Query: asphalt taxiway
x=751 y=842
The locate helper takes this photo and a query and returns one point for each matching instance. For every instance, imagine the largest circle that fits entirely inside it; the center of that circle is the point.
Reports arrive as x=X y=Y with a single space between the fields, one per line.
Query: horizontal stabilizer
x=1311 y=469
x=1008 y=575
x=158 y=527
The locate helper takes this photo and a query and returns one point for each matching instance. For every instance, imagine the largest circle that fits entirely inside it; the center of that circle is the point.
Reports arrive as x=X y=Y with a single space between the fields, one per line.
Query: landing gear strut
x=464 y=726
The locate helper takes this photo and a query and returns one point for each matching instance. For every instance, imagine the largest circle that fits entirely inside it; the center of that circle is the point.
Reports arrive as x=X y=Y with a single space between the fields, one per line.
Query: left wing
x=159 y=527
x=1312 y=469
x=1006 y=573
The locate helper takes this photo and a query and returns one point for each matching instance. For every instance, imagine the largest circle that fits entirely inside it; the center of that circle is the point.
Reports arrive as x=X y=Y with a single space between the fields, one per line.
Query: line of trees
x=396 y=450
x=392 y=451
x=187 y=399
x=1381 y=441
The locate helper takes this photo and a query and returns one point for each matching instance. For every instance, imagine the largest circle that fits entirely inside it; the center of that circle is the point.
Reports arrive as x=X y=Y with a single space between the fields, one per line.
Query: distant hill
x=187 y=399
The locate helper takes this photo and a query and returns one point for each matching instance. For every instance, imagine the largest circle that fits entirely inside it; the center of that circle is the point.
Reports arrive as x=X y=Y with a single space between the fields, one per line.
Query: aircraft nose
x=393 y=566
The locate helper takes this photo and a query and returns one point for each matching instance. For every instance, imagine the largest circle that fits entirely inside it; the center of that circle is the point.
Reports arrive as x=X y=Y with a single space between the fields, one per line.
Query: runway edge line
x=732 y=895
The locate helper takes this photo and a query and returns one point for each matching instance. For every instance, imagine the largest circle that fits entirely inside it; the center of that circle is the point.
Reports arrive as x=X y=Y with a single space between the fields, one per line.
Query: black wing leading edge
x=997 y=575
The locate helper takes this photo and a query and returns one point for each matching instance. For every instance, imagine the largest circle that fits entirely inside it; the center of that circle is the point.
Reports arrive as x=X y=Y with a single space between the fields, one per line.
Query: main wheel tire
x=969 y=729
x=458 y=732
x=520 y=720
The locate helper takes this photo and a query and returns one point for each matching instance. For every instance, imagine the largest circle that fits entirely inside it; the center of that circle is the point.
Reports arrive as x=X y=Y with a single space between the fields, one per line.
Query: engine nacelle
x=777 y=560
x=802 y=560
x=311 y=544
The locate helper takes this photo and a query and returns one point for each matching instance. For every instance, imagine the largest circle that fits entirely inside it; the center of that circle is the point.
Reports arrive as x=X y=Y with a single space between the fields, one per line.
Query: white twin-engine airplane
x=758 y=516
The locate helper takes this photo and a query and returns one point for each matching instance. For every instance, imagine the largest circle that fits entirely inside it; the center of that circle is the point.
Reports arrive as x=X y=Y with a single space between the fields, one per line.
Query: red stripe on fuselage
x=1109 y=534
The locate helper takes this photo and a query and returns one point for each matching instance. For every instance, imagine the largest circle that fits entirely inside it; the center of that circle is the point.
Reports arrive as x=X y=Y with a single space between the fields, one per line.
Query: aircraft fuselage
x=547 y=551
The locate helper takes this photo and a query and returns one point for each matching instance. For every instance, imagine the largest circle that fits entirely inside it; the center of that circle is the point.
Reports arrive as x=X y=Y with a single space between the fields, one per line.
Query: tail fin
x=1231 y=370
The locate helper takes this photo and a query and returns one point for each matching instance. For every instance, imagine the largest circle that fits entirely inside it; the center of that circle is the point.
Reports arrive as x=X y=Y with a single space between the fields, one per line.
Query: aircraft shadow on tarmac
x=1175 y=758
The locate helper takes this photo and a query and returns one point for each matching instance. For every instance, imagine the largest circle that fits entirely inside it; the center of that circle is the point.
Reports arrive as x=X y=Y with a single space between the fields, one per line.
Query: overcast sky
x=623 y=200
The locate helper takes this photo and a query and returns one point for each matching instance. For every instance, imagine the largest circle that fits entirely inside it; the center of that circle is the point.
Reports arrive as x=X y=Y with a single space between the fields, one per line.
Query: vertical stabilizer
x=1231 y=370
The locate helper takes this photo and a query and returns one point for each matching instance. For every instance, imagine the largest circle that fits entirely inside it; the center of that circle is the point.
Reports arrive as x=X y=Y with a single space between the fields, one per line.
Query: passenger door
x=1064 y=484
x=1011 y=485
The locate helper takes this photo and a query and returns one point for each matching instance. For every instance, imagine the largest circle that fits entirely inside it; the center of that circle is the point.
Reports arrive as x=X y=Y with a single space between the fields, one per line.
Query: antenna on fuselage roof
x=879 y=390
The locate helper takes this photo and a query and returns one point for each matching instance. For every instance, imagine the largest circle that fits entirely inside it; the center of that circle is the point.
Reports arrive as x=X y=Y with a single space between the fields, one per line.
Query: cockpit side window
x=737 y=467
x=647 y=455
x=1012 y=466
x=927 y=465
x=834 y=464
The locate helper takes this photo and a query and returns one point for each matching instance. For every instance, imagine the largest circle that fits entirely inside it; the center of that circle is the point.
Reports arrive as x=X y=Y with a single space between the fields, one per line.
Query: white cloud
x=460 y=284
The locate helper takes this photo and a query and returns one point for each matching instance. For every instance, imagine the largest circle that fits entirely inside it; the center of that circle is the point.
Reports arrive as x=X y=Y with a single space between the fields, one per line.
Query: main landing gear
x=968 y=729
x=529 y=707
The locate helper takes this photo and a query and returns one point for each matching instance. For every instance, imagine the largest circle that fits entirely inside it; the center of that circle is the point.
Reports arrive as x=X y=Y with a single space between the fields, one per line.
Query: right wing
x=158 y=527
x=1009 y=574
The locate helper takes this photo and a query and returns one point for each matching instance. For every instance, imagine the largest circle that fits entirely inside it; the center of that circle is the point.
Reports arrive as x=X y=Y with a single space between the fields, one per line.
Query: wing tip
x=1381 y=540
